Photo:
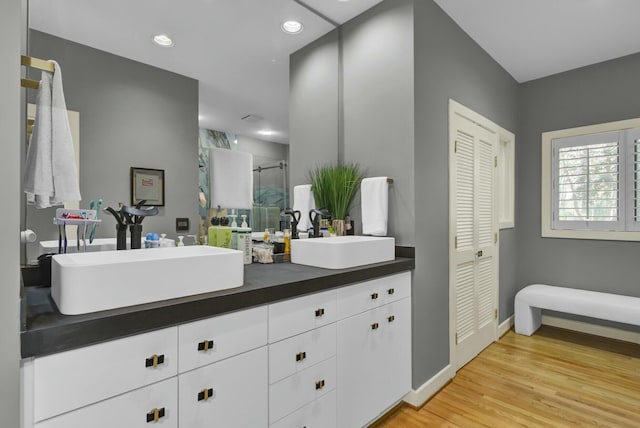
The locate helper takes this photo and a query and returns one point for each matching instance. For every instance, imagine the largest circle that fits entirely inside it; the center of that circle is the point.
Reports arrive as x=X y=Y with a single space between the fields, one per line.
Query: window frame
x=547 y=195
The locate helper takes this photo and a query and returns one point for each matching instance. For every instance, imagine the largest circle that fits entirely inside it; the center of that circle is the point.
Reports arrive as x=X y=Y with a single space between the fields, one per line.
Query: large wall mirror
x=142 y=105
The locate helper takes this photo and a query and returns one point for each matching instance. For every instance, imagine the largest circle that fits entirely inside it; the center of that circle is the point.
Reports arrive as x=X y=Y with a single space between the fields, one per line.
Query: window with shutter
x=591 y=181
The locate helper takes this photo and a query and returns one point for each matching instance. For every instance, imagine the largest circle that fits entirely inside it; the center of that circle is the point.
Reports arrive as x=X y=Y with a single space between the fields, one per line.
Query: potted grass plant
x=334 y=187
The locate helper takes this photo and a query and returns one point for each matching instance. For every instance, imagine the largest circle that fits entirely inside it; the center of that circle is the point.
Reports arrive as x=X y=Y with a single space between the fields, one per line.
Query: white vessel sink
x=90 y=282
x=342 y=252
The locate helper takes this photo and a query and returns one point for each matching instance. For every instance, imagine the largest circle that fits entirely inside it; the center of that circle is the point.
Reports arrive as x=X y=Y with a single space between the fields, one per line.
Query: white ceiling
x=537 y=38
x=234 y=48
x=238 y=53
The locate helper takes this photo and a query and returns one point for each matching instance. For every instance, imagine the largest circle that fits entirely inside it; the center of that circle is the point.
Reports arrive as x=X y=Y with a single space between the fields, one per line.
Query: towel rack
x=38 y=63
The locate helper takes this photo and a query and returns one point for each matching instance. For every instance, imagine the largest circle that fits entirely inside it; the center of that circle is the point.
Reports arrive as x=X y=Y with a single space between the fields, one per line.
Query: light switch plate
x=182 y=224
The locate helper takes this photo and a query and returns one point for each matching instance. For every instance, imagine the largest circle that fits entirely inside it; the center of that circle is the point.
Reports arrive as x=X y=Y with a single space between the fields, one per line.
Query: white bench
x=532 y=299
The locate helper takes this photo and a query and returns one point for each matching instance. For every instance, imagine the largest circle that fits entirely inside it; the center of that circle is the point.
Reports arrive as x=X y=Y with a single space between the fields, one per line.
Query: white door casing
x=473 y=253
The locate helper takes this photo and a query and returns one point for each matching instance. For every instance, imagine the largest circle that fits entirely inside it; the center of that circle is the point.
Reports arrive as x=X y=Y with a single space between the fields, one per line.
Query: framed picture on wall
x=147 y=185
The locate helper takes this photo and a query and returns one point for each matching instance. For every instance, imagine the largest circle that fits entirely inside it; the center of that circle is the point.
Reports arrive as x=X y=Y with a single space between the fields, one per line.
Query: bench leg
x=528 y=318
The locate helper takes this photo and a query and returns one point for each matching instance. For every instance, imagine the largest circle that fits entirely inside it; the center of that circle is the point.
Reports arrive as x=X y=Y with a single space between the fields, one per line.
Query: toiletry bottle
x=213 y=231
x=244 y=241
x=234 y=232
x=224 y=233
x=287 y=241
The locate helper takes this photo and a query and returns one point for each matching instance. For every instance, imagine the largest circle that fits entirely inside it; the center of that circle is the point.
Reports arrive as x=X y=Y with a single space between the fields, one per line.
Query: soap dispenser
x=234 y=231
x=244 y=241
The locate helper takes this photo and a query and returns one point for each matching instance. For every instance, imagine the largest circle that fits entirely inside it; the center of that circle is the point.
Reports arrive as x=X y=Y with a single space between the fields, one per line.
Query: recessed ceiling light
x=163 y=40
x=291 y=27
x=266 y=132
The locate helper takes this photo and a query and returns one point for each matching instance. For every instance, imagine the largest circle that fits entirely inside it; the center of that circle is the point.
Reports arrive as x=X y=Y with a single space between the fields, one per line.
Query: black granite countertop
x=45 y=330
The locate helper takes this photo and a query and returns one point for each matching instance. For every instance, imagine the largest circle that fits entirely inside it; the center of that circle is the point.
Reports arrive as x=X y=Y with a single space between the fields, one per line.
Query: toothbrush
x=92 y=205
x=95 y=225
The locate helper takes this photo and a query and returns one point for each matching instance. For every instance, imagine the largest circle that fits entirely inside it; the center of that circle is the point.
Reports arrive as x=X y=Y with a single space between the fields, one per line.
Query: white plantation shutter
x=588 y=182
x=633 y=179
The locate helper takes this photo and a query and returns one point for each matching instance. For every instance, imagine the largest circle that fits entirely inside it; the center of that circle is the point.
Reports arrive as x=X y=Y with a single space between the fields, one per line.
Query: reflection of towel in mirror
x=231 y=179
x=304 y=202
x=50 y=176
x=375 y=205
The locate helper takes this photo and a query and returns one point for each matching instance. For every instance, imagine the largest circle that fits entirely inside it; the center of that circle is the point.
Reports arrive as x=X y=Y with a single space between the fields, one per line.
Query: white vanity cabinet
x=155 y=404
x=374 y=348
x=223 y=371
x=302 y=360
x=62 y=382
x=336 y=358
x=230 y=393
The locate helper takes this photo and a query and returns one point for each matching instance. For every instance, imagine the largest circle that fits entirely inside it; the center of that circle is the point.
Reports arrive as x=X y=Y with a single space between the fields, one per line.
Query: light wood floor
x=555 y=378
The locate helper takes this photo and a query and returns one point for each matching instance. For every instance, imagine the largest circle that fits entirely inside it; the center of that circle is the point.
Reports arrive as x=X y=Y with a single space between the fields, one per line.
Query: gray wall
x=131 y=114
x=402 y=61
x=313 y=107
x=599 y=93
x=10 y=117
x=378 y=107
x=448 y=64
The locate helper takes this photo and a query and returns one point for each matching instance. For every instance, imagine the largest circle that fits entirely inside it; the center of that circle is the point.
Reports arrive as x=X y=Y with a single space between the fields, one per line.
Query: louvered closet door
x=473 y=264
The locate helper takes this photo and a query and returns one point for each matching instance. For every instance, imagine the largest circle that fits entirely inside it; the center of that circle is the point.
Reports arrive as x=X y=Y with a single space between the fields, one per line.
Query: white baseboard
x=596 y=330
x=418 y=397
x=505 y=326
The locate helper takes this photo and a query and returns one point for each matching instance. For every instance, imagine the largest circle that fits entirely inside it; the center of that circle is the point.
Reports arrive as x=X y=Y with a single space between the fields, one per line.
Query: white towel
x=304 y=202
x=375 y=205
x=231 y=179
x=50 y=176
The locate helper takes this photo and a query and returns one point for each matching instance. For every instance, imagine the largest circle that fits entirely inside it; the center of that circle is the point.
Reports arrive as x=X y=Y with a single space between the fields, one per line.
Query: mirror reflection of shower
x=270 y=196
x=270 y=181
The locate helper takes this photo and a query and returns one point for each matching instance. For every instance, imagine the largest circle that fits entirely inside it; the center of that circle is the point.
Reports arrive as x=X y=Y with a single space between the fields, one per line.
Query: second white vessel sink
x=342 y=252
x=90 y=282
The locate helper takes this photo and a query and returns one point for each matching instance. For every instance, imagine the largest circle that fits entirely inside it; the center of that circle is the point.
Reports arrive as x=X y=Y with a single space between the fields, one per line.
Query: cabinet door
x=213 y=339
x=371 y=294
x=320 y=413
x=301 y=389
x=373 y=362
x=296 y=316
x=300 y=352
x=154 y=405
x=395 y=365
x=359 y=364
x=72 y=379
x=229 y=393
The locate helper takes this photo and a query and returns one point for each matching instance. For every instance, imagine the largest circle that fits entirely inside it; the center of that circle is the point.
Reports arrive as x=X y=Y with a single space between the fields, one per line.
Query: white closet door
x=474 y=226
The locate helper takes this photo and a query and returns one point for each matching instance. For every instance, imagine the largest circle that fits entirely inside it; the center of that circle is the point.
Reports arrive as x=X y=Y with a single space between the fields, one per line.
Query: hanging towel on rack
x=374 y=193
x=51 y=176
x=231 y=179
x=304 y=202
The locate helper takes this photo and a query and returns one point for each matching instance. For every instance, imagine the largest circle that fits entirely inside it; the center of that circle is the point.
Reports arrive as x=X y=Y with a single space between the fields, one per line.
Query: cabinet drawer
x=131 y=410
x=296 y=391
x=213 y=339
x=299 y=352
x=72 y=379
x=320 y=413
x=296 y=316
x=361 y=297
x=229 y=393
